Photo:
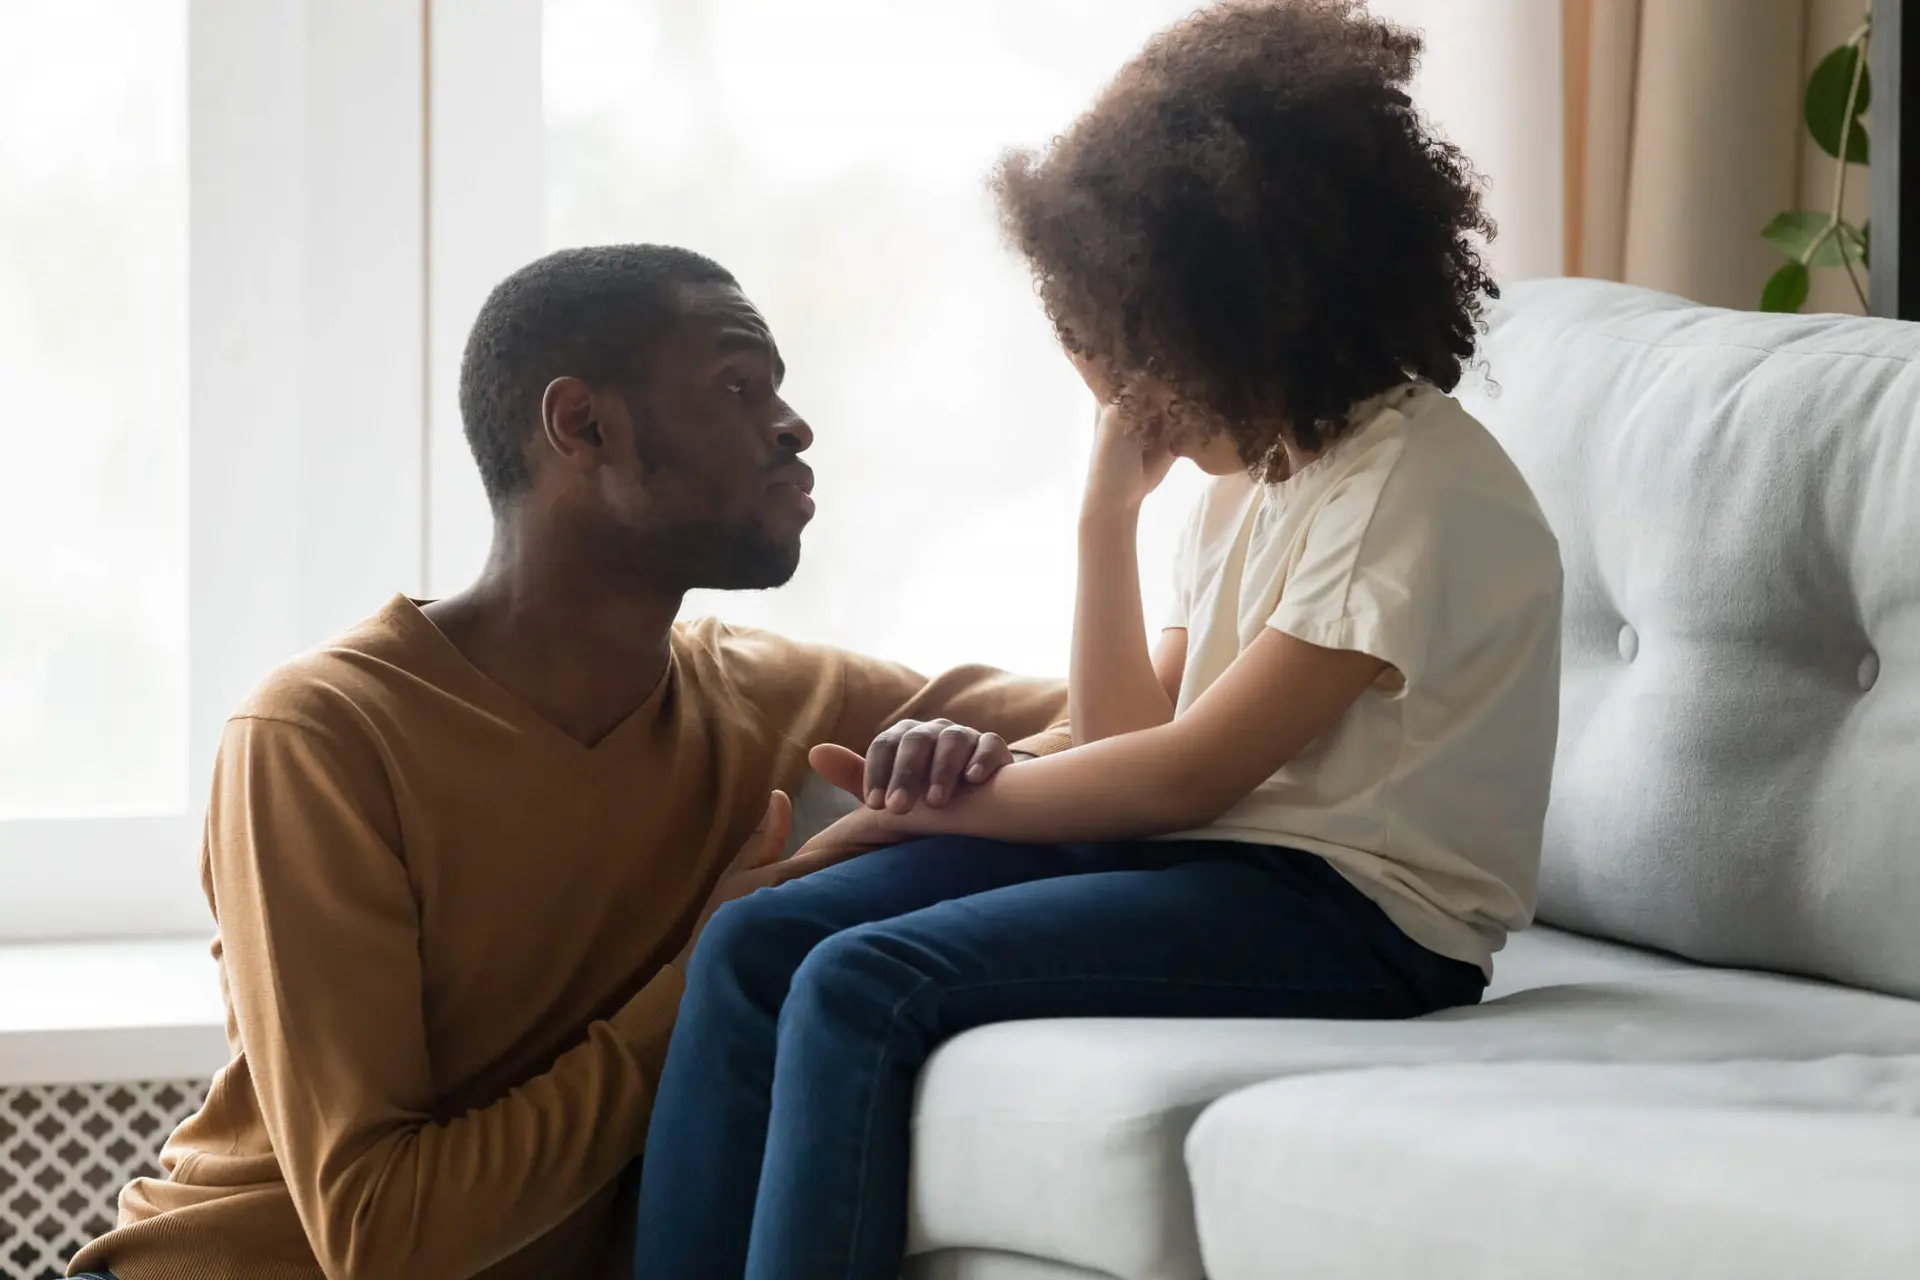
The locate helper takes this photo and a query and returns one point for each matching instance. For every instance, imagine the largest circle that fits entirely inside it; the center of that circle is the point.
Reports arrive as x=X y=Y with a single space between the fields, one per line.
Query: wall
x=1490 y=79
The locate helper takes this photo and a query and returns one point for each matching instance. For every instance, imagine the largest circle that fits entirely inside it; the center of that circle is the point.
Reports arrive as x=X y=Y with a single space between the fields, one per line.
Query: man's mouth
x=796 y=484
x=799 y=478
x=797 y=474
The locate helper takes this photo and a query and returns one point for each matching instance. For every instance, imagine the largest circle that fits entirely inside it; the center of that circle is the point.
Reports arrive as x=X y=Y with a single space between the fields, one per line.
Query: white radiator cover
x=65 y=1152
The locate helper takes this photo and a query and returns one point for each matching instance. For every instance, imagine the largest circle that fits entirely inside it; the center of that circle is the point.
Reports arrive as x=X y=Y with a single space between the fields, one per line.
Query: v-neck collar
x=410 y=620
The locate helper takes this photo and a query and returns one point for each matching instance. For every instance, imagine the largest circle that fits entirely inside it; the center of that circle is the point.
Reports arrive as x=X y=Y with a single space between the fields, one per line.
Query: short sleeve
x=1367 y=575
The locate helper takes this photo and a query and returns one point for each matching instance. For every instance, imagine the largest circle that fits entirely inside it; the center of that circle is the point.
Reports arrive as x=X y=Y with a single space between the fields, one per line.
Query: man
x=458 y=855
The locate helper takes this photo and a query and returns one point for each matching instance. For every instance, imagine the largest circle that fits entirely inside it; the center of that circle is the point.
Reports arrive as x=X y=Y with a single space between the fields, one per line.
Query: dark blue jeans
x=778 y=1146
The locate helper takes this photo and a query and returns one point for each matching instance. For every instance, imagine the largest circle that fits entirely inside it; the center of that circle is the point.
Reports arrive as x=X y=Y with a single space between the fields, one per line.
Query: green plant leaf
x=1786 y=289
x=1792 y=232
x=1866 y=242
x=1826 y=103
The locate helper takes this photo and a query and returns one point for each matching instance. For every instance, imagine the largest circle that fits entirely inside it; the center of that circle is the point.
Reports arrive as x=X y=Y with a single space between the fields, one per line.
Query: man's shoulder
x=795 y=687
x=753 y=662
x=338 y=686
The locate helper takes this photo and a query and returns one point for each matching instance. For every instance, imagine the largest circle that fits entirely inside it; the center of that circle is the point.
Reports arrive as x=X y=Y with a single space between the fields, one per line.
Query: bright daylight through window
x=93 y=382
x=834 y=156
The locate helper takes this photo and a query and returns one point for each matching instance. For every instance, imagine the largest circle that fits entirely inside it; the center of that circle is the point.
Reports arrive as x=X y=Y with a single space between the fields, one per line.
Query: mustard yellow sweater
x=443 y=934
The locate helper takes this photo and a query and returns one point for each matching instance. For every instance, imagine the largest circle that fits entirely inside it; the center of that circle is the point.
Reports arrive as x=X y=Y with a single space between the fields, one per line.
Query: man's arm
x=1030 y=714
x=320 y=936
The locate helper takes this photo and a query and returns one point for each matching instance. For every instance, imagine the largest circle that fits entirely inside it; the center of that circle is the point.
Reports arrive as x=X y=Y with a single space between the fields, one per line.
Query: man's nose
x=791 y=434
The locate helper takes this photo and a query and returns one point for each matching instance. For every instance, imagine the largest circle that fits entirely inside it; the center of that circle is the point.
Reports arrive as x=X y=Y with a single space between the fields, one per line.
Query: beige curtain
x=1683 y=137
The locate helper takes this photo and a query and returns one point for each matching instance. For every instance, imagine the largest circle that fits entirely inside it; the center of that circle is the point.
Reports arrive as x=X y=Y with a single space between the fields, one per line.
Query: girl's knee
x=866 y=973
x=760 y=934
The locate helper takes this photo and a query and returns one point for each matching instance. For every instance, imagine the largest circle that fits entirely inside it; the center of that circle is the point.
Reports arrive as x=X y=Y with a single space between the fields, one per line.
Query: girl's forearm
x=1111 y=684
x=1123 y=788
x=1279 y=696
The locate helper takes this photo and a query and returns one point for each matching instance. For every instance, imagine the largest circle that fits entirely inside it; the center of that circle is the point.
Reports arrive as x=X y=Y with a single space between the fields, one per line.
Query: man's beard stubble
x=707 y=554
x=711 y=556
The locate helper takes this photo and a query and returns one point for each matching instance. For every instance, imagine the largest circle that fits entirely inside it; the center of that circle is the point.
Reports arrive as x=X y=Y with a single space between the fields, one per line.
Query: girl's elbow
x=1198 y=812
x=1191 y=800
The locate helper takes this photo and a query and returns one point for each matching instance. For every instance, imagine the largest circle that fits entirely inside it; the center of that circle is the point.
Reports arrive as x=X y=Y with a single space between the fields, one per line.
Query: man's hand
x=756 y=866
x=861 y=831
x=916 y=761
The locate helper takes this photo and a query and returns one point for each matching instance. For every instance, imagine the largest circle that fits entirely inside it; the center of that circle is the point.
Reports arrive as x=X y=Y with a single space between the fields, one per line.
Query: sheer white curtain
x=833 y=155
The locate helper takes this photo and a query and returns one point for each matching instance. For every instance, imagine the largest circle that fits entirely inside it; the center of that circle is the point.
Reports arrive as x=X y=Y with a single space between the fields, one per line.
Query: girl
x=1320 y=795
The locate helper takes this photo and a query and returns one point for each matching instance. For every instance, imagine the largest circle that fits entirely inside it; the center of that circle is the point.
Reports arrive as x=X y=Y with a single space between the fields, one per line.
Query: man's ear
x=569 y=423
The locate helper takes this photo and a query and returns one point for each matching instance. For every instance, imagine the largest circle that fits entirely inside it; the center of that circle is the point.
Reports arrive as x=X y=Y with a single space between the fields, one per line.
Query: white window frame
x=306 y=405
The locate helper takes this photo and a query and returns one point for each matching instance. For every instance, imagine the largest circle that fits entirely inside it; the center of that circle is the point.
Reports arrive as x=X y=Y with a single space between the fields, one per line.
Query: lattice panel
x=65 y=1152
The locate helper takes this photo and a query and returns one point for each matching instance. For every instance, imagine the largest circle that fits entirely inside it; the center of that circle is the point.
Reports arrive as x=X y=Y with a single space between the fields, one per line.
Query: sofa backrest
x=1737 y=498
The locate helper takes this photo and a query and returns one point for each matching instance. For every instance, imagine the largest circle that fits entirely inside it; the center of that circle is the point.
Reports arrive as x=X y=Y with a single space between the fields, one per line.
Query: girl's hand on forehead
x=1125 y=467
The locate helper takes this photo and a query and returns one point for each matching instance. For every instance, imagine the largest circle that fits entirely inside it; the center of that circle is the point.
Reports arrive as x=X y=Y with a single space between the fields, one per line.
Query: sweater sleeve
x=1031 y=714
x=320 y=939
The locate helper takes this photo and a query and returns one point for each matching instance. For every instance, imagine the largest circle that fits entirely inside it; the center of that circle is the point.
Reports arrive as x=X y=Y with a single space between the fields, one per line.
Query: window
x=234 y=287
x=834 y=156
x=93 y=372
x=211 y=367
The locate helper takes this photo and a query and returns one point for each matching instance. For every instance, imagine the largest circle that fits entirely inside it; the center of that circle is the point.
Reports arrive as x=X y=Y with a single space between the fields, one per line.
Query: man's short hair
x=585 y=313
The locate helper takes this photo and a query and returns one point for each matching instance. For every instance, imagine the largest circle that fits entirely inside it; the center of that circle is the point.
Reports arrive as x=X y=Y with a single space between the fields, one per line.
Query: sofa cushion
x=1734 y=497
x=1747 y=1171
x=989 y=1264
x=1062 y=1140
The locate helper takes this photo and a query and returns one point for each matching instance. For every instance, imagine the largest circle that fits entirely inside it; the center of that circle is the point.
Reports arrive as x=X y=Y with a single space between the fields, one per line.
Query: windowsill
x=76 y=1012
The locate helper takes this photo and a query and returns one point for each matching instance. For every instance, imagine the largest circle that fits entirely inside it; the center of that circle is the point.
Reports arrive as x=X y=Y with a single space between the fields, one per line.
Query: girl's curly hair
x=1254 y=213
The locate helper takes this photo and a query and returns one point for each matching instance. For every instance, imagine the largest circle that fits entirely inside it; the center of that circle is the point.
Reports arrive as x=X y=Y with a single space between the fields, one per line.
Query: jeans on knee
x=778 y=1148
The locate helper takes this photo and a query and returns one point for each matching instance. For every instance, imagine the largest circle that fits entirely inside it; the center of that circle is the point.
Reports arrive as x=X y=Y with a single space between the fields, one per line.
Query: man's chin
x=758 y=567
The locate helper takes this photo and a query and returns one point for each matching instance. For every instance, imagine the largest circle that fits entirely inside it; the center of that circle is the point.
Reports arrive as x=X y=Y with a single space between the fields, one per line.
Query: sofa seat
x=1736 y=1170
x=1061 y=1142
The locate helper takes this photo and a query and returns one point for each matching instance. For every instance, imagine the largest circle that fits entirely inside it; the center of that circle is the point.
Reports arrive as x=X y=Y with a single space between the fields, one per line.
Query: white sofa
x=1737 y=791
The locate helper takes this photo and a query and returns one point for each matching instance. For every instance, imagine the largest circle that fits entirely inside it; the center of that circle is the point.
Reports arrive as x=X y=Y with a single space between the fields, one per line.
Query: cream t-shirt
x=1415 y=540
